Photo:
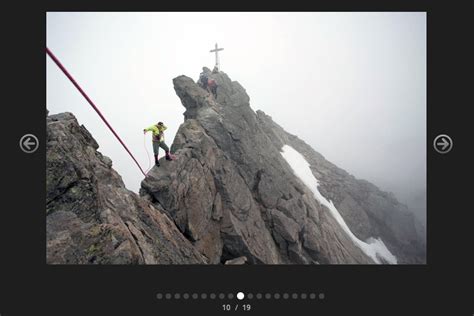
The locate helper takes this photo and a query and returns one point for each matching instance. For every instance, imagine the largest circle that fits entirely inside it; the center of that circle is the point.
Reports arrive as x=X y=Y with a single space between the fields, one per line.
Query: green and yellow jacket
x=157 y=132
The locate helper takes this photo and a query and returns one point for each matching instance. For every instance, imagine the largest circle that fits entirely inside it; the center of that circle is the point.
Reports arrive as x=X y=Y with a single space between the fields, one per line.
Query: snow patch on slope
x=373 y=247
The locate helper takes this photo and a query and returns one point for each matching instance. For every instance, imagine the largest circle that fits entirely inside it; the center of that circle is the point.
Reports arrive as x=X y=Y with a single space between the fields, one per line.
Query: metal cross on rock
x=216 y=50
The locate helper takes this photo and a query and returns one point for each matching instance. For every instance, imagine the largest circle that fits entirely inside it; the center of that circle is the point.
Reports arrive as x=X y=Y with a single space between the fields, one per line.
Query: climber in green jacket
x=158 y=140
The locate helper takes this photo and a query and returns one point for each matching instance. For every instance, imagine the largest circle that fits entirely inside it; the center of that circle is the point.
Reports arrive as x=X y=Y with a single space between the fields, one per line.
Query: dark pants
x=214 y=90
x=157 y=145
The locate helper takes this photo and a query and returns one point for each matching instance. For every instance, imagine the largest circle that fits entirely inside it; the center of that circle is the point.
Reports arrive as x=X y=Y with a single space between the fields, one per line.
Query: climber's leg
x=166 y=149
x=156 y=147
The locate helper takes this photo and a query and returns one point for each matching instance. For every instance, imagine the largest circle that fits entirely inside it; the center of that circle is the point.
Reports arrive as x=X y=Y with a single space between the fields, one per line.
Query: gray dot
x=195 y=296
x=312 y=296
x=159 y=296
x=250 y=296
x=268 y=296
x=277 y=296
x=285 y=296
x=294 y=296
x=185 y=296
x=321 y=296
x=304 y=296
x=230 y=296
x=168 y=296
x=212 y=296
x=177 y=296
x=258 y=296
x=203 y=296
x=221 y=296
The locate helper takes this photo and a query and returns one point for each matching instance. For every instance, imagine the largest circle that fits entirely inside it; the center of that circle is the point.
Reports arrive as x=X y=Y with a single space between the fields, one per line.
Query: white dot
x=240 y=296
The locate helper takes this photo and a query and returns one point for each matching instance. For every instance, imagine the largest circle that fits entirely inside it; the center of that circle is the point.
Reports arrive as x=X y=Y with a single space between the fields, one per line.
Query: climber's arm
x=149 y=129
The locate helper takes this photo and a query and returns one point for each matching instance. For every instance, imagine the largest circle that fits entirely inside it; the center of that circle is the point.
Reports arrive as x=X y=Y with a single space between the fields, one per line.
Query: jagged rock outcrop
x=91 y=217
x=232 y=194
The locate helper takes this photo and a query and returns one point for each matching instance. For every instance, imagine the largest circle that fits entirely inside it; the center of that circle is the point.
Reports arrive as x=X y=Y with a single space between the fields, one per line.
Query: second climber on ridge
x=158 y=141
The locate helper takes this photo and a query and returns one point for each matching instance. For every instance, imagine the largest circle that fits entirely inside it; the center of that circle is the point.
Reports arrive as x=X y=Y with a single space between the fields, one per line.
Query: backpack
x=211 y=83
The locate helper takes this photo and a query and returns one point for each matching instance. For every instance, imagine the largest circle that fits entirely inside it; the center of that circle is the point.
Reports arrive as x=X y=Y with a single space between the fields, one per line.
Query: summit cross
x=216 y=50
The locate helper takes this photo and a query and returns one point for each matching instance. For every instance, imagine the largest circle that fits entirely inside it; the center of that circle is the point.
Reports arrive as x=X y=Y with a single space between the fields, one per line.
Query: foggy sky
x=352 y=85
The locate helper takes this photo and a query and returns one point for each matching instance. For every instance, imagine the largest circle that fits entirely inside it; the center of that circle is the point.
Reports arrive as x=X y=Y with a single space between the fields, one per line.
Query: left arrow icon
x=29 y=143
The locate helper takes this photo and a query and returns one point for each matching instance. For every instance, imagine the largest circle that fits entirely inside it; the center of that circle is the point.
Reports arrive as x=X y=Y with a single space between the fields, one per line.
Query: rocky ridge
x=229 y=197
x=91 y=218
x=232 y=194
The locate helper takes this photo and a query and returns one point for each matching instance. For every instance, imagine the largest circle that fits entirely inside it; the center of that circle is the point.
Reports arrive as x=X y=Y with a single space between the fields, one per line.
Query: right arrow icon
x=443 y=143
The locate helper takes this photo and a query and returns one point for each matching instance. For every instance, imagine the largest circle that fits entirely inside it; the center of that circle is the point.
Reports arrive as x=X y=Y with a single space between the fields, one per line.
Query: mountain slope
x=232 y=194
x=367 y=210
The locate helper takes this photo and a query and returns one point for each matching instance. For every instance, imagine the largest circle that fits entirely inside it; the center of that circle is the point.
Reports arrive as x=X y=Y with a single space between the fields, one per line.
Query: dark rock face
x=232 y=194
x=91 y=217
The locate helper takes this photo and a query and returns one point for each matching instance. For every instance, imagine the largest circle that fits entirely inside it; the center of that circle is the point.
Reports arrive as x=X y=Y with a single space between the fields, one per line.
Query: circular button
x=443 y=144
x=29 y=143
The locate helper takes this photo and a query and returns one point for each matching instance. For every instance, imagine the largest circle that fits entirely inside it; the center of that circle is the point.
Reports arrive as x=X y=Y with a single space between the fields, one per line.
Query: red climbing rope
x=58 y=63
